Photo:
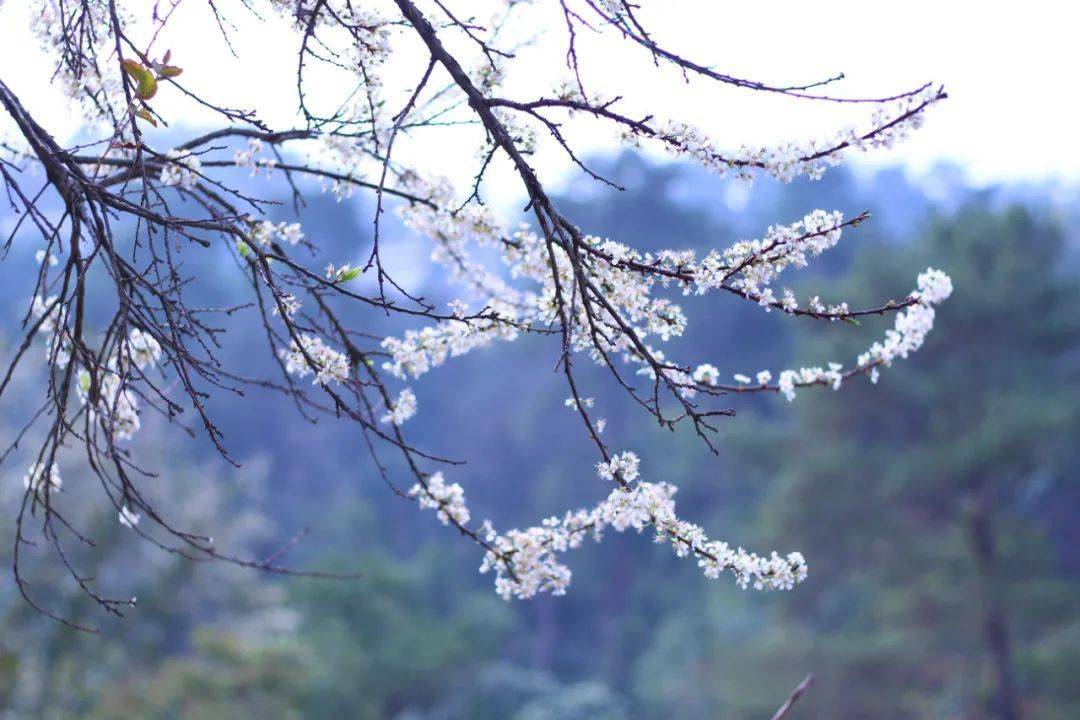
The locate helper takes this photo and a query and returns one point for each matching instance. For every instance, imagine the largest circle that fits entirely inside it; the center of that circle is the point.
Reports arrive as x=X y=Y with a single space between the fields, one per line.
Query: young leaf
x=145 y=82
x=350 y=274
x=146 y=115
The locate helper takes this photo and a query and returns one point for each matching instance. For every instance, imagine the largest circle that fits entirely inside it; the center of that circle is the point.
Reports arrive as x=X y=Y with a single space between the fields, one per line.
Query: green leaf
x=145 y=115
x=145 y=82
x=350 y=274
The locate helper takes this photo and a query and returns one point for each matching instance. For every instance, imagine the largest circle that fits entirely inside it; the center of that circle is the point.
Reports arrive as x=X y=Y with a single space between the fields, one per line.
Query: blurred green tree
x=224 y=677
x=397 y=638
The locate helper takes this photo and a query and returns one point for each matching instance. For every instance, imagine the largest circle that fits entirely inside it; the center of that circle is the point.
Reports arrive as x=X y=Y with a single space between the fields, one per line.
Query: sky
x=1011 y=116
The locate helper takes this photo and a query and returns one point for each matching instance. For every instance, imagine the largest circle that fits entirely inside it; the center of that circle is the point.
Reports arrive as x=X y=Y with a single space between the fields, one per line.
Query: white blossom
x=934 y=286
x=117 y=407
x=402 y=409
x=706 y=374
x=181 y=170
x=907 y=335
x=290 y=304
x=264 y=232
x=447 y=500
x=527 y=562
x=37 y=479
x=327 y=364
x=41 y=256
x=459 y=309
x=624 y=465
x=129 y=518
x=786 y=161
x=144 y=349
x=247 y=157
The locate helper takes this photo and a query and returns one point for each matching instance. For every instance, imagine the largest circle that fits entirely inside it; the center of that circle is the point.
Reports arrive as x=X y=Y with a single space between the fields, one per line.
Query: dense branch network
x=129 y=212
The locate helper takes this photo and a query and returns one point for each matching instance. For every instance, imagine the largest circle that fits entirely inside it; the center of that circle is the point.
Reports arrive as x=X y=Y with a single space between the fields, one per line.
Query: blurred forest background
x=939 y=511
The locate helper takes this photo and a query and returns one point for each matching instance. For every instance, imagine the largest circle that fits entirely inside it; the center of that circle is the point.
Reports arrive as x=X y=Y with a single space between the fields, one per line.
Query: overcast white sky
x=1010 y=69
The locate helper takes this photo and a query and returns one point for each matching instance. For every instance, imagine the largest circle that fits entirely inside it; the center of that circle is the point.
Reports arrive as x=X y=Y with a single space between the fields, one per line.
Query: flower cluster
x=264 y=232
x=117 y=406
x=448 y=501
x=628 y=278
x=326 y=363
x=342 y=273
x=37 y=479
x=526 y=256
x=419 y=351
x=807 y=376
x=574 y=404
x=889 y=124
x=756 y=263
x=623 y=467
x=98 y=97
x=366 y=45
x=181 y=170
x=52 y=316
x=934 y=287
x=911 y=326
x=707 y=374
x=249 y=158
x=288 y=303
x=128 y=517
x=402 y=409
x=653 y=504
x=527 y=562
x=43 y=257
x=246 y=158
x=142 y=348
x=349 y=157
x=905 y=337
